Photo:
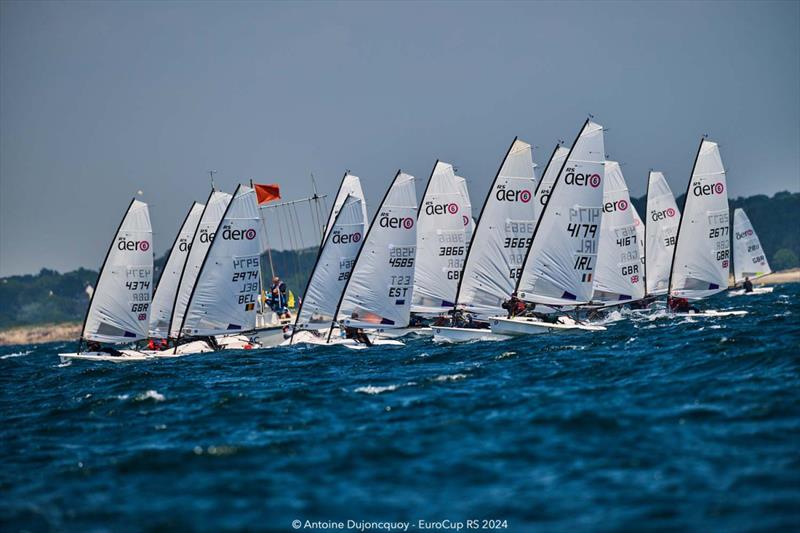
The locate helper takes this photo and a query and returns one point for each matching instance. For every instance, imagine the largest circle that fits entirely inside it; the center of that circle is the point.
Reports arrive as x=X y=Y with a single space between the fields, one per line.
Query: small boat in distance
x=749 y=260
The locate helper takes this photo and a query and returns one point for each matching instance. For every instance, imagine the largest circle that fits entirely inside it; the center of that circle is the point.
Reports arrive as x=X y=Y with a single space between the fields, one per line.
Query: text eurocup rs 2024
x=421 y=525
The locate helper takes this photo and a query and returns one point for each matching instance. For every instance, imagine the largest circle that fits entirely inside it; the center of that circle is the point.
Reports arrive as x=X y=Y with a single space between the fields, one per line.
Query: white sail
x=350 y=186
x=441 y=243
x=120 y=307
x=661 y=231
x=701 y=263
x=164 y=296
x=332 y=270
x=749 y=259
x=561 y=260
x=548 y=178
x=637 y=221
x=466 y=217
x=378 y=293
x=227 y=289
x=209 y=221
x=501 y=235
x=618 y=273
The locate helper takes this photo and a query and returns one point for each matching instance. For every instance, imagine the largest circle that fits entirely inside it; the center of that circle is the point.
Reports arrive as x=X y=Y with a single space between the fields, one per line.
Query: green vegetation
x=51 y=297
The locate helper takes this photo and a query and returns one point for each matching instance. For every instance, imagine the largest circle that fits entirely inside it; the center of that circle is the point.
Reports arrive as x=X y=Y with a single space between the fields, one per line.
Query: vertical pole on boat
x=269 y=256
x=211 y=176
x=317 y=211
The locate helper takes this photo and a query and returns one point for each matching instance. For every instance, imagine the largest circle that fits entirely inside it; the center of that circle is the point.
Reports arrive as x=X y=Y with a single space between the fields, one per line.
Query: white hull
x=711 y=313
x=402 y=332
x=756 y=290
x=128 y=356
x=534 y=326
x=307 y=337
x=455 y=335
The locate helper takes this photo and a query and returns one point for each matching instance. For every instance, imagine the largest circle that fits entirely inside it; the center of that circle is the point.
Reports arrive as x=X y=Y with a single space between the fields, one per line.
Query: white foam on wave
x=450 y=377
x=505 y=355
x=151 y=395
x=373 y=389
x=16 y=354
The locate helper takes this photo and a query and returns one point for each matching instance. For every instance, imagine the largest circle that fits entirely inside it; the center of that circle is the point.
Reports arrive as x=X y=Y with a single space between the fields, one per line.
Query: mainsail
x=502 y=233
x=378 y=293
x=119 y=310
x=227 y=288
x=441 y=243
x=551 y=171
x=350 y=186
x=466 y=217
x=561 y=260
x=749 y=259
x=661 y=230
x=215 y=208
x=332 y=269
x=618 y=273
x=164 y=296
x=701 y=261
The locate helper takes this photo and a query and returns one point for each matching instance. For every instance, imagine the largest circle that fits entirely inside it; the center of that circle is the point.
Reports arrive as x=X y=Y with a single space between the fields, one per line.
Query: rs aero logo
x=664 y=214
x=396 y=222
x=229 y=234
x=708 y=189
x=581 y=179
x=441 y=209
x=514 y=195
x=132 y=246
x=744 y=234
x=619 y=205
x=184 y=245
x=346 y=238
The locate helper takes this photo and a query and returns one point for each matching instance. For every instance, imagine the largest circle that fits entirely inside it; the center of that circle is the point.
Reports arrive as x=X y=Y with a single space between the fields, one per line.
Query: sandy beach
x=65 y=331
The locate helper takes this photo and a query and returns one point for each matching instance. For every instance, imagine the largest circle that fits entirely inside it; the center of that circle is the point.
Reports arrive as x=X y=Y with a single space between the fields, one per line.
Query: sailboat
x=377 y=295
x=441 y=244
x=496 y=252
x=119 y=310
x=330 y=273
x=701 y=262
x=749 y=259
x=663 y=218
x=349 y=186
x=618 y=273
x=164 y=295
x=561 y=259
x=549 y=176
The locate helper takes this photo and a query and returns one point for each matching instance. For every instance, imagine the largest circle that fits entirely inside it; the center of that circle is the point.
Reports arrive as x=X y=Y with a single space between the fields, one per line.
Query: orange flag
x=267 y=193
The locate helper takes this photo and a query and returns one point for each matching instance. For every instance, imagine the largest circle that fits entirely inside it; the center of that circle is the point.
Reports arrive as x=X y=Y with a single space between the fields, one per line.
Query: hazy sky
x=99 y=100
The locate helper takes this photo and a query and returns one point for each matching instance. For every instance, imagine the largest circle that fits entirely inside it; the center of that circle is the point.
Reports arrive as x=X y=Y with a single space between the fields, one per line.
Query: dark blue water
x=663 y=424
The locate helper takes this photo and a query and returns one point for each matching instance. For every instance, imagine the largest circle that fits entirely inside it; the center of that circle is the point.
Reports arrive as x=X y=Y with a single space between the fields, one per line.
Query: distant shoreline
x=69 y=331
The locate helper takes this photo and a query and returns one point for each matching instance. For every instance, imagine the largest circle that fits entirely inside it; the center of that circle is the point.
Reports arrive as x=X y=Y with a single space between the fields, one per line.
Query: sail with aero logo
x=226 y=292
x=548 y=178
x=561 y=259
x=749 y=259
x=701 y=261
x=350 y=186
x=661 y=231
x=441 y=243
x=164 y=297
x=618 y=273
x=501 y=235
x=637 y=221
x=333 y=266
x=469 y=222
x=378 y=293
x=120 y=307
x=209 y=220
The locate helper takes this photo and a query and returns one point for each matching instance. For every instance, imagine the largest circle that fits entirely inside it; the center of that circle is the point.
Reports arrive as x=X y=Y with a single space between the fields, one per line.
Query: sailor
x=95 y=346
x=514 y=305
x=680 y=305
x=358 y=335
x=277 y=297
x=748 y=285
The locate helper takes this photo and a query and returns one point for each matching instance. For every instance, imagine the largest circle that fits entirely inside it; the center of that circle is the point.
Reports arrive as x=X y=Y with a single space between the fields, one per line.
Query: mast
x=545 y=206
x=100 y=273
x=478 y=221
x=646 y=225
x=680 y=222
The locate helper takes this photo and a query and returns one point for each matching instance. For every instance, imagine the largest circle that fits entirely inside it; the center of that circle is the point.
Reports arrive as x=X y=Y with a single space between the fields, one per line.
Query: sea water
x=657 y=423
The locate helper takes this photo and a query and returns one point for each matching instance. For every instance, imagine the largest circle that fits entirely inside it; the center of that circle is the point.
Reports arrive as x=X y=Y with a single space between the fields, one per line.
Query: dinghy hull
x=456 y=335
x=756 y=291
x=535 y=326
